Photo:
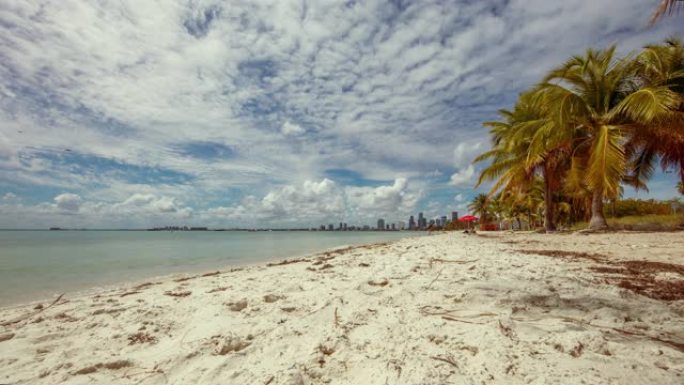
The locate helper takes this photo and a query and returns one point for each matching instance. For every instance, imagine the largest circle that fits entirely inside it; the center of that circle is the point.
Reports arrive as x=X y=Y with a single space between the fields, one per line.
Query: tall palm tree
x=660 y=67
x=524 y=144
x=480 y=206
x=666 y=7
x=589 y=99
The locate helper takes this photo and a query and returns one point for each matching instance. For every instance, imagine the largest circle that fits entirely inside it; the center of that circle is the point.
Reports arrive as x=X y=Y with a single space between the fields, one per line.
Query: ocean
x=39 y=264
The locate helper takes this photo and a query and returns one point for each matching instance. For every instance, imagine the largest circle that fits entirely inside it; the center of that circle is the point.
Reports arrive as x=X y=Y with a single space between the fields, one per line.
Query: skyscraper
x=381 y=224
x=422 y=222
x=454 y=216
x=412 y=223
x=443 y=221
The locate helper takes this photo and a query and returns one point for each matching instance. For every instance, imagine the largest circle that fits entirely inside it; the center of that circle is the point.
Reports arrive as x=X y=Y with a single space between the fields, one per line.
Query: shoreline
x=121 y=285
x=89 y=289
x=447 y=308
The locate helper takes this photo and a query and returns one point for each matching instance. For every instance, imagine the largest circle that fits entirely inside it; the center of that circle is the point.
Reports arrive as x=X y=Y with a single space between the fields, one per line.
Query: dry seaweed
x=29 y=315
x=178 y=293
x=115 y=365
x=565 y=254
x=141 y=338
x=382 y=283
x=287 y=262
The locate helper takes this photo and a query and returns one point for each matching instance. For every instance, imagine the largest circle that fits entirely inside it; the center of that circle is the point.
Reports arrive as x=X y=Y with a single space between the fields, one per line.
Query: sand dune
x=441 y=309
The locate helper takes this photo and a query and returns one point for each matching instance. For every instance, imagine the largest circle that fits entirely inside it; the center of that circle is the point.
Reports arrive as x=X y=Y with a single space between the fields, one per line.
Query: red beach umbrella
x=468 y=218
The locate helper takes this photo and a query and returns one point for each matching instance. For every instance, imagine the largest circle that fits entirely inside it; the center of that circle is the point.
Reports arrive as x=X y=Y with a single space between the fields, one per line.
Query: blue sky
x=272 y=113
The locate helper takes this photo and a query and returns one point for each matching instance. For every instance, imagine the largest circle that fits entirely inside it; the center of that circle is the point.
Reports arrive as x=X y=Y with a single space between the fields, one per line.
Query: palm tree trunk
x=549 y=226
x=598 y=220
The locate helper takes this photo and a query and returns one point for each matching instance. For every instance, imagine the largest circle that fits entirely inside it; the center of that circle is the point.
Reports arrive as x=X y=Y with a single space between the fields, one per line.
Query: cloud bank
x=284 y=111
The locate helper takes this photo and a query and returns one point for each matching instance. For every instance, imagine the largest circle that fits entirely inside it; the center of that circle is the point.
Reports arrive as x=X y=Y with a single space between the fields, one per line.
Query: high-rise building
x=422 y=222
x=344 y=226
x=402 y=225
x=412 y=223
x=394 y=227
x=322 y=227
x=381 y=224
x=443 y=221
x=331 y=227
x=454 y=216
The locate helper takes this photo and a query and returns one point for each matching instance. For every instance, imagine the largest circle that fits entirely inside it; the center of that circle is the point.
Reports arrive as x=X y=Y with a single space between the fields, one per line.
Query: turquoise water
x=39 y=264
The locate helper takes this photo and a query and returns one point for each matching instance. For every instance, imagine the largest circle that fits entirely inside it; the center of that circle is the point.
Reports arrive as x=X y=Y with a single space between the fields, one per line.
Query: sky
x=273 y=113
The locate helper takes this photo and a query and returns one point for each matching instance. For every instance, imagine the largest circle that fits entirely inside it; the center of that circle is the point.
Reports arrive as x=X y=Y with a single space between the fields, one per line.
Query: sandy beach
x=449 y=308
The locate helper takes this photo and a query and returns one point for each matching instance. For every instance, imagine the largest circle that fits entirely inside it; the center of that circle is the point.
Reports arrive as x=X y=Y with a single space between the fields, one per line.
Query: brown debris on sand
x=115 y=365
x=141 y=338
x=217 y=289
x=237 y=306
x=29 y=315
x=183 y=293
x=6 y=337
x=287 y=262
x=223 y=346
x=565 y=254
x=383 y=282
x=636 y=276
x=270 y=298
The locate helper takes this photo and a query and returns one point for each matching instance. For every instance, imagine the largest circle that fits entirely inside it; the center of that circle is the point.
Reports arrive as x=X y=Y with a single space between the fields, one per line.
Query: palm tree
x=480 y=206
x=680 y=187
x=589 y=100
x=665 y=7
x=660 y=67
x=524 y=144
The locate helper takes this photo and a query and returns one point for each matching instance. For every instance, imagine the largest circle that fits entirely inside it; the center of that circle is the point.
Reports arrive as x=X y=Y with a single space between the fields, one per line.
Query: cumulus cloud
x=383 y=199
x=323 y=200
x=68 y=202
x=71 y=210
x=463 y=177
x=292 y=129
x=151 y=202
x=289 y=203
x=465 y=152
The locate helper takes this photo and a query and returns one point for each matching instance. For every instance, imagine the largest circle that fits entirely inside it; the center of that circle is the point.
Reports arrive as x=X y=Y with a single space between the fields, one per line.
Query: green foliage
x=594 y=123
x=637 y=207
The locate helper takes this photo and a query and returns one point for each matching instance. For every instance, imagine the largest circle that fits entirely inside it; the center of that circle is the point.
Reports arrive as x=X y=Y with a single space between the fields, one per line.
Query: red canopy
x=468 y=218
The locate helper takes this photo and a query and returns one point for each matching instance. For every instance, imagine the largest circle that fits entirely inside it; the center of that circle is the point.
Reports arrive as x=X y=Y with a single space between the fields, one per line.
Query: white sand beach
x=450 y=308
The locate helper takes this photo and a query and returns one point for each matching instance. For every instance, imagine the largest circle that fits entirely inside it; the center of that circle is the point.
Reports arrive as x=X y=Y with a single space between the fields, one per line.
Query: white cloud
x=292 y=129
x=151 y=202
x=465 y=152
x=459 y=198
x=384 y=200
x=10 y=197
x=323 y=201
x=311 y=200
x=68 y=202
x=463 y=177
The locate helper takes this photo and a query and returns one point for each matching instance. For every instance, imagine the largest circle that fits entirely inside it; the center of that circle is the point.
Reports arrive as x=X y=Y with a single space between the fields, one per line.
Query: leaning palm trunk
x=598 y=220
x=549 y=225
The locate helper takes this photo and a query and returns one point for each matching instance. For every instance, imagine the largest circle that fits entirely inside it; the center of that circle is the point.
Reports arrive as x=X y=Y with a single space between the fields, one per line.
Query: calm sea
x=39 y=264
